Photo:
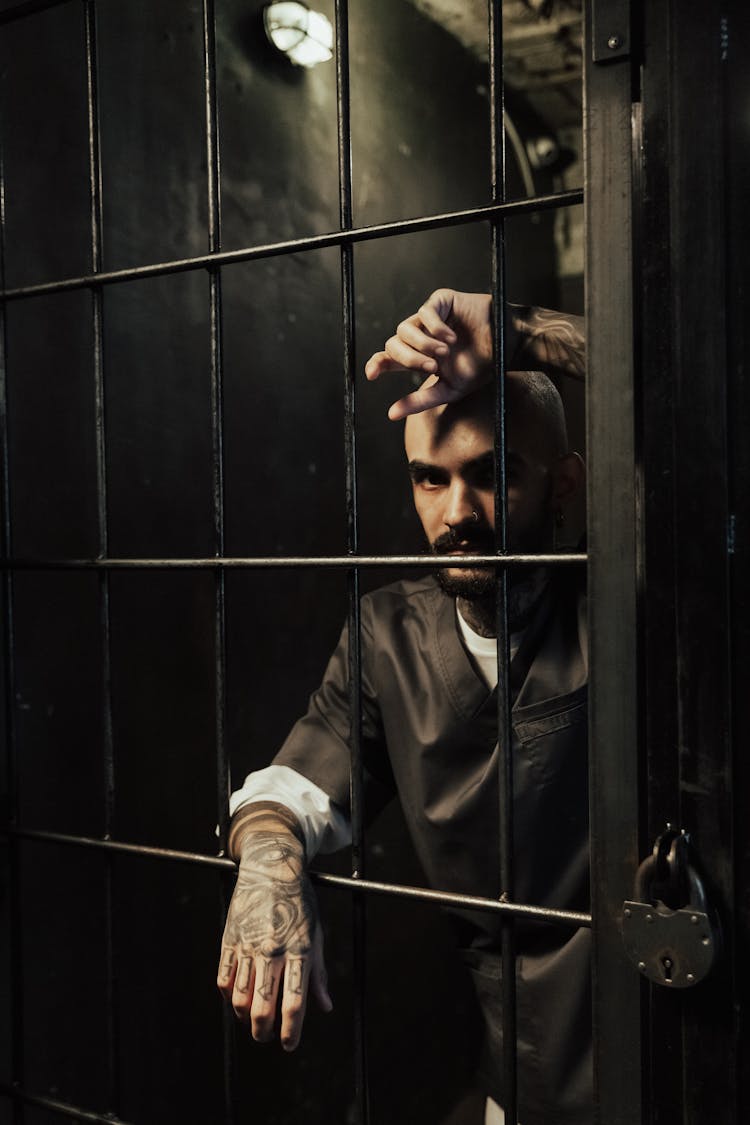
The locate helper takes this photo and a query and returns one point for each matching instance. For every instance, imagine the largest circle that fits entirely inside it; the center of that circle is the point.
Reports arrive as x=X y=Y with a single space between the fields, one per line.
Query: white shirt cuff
x=326 y=827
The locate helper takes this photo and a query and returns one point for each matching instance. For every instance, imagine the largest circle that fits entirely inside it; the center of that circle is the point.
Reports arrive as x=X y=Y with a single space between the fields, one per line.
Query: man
x=429 y=714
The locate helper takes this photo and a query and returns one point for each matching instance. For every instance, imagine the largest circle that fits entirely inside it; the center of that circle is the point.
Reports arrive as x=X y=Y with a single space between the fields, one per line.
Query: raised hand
x=449 y=339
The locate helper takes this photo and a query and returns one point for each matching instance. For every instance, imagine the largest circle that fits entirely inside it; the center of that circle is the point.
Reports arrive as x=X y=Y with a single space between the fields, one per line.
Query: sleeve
x=325 y=826
x=318 y=746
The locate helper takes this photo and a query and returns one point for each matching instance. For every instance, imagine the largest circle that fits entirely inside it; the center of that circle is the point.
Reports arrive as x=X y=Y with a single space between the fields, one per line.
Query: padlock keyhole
x=666 y=964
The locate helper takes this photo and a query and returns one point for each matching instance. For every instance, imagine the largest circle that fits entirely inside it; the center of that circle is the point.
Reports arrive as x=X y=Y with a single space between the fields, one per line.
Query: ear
x=568 y=475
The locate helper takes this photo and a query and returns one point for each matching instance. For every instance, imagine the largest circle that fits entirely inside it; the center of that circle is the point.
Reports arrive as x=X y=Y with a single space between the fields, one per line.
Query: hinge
x=610 y=30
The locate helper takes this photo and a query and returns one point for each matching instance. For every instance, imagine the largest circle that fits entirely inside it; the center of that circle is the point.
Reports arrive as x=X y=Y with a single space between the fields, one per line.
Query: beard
x=471 y=585
x=478 y=583
x=468 y=583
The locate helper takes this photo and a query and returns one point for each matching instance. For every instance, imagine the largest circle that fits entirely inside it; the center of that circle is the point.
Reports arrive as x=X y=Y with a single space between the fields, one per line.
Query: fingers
x=242 y=992
x=227 y=970
x=378 y=363
x=319 y=976
x=419 y=344
x=268 y=972
x=433 y=392
x=294 y=1001
x=399 y=356
x=434 y=314
x=260 y=987
x=425 y=341
x=299 y=974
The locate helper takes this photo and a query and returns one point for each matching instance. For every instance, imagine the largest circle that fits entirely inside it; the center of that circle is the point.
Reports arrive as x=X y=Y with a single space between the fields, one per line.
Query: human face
x=453 y=480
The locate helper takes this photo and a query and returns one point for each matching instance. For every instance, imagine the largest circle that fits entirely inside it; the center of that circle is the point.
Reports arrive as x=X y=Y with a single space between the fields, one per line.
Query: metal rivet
x=614 y=42
x=707 y=941
x=641 y=965
x=694 y=919
x=627 y=913
x=690 y=978
x=649 y=918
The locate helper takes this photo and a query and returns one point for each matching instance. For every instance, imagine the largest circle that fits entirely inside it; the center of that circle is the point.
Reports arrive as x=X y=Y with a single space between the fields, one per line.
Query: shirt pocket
x=552 y=743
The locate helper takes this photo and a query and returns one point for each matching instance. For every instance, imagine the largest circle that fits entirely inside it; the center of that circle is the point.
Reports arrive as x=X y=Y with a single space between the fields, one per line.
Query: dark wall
x=420 y=129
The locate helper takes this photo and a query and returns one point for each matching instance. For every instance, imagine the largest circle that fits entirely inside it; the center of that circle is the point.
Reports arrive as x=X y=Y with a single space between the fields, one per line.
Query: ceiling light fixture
x=305 y=37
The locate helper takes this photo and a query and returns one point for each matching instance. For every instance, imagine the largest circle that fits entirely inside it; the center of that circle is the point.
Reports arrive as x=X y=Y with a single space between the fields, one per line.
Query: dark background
x=420 y=123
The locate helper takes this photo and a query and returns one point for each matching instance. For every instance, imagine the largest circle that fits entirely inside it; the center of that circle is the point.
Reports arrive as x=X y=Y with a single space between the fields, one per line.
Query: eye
x=427 y=479
x=483 y=477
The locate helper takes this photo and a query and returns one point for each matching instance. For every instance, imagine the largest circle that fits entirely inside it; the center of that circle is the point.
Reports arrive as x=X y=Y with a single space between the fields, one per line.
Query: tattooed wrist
x=261 y=816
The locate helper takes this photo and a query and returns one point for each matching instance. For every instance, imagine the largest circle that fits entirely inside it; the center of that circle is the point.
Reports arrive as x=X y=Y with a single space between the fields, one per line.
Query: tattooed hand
x=450 y=339
x=272 y=947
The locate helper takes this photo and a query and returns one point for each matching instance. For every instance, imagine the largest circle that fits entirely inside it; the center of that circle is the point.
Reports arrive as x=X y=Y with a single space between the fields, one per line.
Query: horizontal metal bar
x=295 y=562
x=449 y=898
x=7 y=1089
x=394 y=890
x=146 y=851
x=300 y=245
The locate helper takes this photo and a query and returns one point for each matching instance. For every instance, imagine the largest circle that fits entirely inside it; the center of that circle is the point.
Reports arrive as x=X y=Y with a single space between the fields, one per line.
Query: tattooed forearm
x=552 y=341
x=273 y=909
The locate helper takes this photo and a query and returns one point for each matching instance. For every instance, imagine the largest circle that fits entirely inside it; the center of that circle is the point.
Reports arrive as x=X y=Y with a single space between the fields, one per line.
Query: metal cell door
x=667 y=268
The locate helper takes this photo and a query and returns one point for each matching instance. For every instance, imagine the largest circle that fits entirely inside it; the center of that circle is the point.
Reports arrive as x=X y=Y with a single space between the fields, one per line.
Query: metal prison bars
x=352 y=562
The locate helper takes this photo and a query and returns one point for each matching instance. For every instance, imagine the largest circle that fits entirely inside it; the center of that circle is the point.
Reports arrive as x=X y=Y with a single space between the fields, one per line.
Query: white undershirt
x=484 y=649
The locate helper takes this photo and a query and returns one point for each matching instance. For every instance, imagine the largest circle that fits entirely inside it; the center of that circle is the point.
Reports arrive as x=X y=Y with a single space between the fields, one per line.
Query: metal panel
x=612 y=582
x=693 y=1064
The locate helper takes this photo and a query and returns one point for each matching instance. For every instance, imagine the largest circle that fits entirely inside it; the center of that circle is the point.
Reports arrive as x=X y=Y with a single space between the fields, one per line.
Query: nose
x=460 y=504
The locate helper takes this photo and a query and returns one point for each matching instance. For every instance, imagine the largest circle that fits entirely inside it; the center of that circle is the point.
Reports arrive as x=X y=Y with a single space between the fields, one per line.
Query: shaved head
x=533 y=408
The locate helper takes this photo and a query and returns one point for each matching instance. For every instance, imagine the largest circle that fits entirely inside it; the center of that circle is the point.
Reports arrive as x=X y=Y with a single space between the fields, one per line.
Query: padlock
x=672 y=947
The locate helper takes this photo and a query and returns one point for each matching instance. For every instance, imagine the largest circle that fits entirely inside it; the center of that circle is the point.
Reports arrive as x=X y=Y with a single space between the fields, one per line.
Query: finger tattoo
x=228 y=960
x=267 y=981
x=294 y=976
x=242 y=983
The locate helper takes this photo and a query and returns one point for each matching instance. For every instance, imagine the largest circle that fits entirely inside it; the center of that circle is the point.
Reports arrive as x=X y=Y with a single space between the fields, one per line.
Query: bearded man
x=429 y=716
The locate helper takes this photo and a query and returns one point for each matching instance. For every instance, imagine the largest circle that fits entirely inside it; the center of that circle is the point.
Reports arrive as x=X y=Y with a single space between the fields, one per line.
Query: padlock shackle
x=682 y=880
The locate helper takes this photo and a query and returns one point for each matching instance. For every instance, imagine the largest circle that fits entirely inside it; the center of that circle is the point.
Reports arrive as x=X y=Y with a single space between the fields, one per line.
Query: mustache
x=469 y=535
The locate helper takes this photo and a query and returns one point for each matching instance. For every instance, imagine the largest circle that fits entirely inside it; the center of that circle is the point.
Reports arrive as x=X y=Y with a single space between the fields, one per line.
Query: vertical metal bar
x=11 y=740
x=504 y=726
x=97 y=312
x=359 y=920
x=213 y=165
x=613 y=716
